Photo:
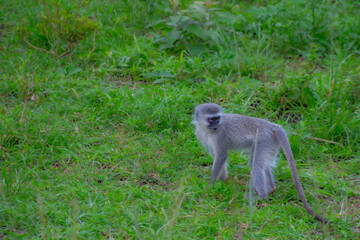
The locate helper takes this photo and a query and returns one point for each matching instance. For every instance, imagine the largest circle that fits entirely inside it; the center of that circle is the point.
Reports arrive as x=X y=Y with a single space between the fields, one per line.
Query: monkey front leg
x=219 y=167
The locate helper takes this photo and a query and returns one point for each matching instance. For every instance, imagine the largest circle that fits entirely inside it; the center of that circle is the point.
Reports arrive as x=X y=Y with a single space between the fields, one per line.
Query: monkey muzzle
x=213 y=128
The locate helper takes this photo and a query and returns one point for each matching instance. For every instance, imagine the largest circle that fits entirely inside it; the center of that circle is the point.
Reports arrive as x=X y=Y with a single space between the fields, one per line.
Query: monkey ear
x=195 y=119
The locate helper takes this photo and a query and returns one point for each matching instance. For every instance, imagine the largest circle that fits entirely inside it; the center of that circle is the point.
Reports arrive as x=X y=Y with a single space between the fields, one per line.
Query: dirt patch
x=123 y=81
x=61 y=163
x=108 y=166
x=2 y=34
x=293 y=117
x=354 y=205
x=153 y=181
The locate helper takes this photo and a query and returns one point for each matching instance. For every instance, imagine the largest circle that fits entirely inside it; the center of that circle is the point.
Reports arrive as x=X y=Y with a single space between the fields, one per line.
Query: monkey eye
x=214 y=119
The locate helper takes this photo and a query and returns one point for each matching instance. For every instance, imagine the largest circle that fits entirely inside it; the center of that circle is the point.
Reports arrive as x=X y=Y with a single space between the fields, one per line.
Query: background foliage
x=96 y=103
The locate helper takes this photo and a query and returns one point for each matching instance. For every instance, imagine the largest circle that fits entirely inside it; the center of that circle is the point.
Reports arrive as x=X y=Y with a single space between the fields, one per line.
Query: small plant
x=193 y=28
x=59 y=30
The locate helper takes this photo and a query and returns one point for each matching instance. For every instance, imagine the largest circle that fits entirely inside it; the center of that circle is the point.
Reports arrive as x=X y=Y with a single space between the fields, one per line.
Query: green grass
x=98 y=143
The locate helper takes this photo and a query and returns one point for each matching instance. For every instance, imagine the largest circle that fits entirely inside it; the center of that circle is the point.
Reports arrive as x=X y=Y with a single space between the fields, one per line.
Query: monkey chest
x=207 y=140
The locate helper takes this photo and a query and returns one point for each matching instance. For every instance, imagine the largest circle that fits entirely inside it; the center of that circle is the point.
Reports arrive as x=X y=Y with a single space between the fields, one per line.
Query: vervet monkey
x=219 y=132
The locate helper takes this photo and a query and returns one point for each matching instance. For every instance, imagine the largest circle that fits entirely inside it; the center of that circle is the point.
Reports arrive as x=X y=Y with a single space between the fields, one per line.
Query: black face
x=213 y=123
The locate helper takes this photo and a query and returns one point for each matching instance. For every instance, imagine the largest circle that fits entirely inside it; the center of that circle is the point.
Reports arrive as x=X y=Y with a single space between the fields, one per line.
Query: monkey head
x=208 y=116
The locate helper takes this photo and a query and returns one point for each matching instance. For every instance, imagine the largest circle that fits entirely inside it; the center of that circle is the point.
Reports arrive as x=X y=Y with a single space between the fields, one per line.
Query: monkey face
x=213 y=123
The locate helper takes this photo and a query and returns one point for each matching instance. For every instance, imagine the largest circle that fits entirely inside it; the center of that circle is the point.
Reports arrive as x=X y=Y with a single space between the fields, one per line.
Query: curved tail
x=282 y=138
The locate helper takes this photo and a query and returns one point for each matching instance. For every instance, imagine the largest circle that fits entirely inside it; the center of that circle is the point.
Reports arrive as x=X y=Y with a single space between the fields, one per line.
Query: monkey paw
x=273 y=190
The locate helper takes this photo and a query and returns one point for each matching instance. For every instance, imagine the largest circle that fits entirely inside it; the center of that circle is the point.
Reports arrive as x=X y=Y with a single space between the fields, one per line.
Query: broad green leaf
x=227 y=17
x=194 y=49
x=184 y=22
x=174 y=20
x=160 y=80
x=197 y=30
x=214 y=36
x=171 y=37
x=154 y=23
x=199 y=8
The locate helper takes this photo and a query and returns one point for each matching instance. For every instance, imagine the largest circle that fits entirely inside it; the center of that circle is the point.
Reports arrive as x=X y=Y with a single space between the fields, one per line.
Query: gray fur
x=238 y=132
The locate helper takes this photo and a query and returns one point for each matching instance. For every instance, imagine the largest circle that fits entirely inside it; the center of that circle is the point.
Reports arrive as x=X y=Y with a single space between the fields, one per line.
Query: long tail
x=282 y=138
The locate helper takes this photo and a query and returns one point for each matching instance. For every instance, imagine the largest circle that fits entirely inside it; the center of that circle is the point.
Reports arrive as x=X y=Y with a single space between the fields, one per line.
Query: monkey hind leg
x=270 y=180
x=259 y=181
x=262 y=175
x=223 y=174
